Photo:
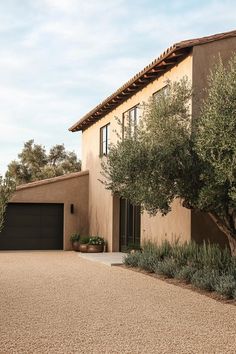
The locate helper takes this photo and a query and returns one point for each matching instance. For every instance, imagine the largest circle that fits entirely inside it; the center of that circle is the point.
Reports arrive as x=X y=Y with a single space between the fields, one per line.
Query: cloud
x=59 y=58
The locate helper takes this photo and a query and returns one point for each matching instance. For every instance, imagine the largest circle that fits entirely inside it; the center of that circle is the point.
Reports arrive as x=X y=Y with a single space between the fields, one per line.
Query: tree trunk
x=229 y=234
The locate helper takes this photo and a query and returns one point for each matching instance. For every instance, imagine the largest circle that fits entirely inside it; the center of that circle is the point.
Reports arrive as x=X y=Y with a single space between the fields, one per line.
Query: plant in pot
x=84 y=243
x=96 y=244
x=75 y=241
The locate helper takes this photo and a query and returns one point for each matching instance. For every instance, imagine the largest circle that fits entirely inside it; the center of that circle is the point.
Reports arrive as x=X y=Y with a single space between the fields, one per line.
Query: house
x=43 y=214
x=116 y=219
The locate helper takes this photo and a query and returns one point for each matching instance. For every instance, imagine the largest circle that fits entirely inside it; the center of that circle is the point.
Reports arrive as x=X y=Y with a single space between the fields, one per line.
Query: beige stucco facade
x=103 y=209
x=66 y=190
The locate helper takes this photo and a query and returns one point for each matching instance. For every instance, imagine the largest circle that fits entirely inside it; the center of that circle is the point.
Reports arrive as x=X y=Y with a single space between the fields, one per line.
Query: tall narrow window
x=104 y=139
x=131 y=118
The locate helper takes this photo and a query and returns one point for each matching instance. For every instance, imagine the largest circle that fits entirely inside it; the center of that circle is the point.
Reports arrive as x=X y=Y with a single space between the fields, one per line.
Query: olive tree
x=34 y=163
x=215 y=144
x=7 y=187
x=174 y=155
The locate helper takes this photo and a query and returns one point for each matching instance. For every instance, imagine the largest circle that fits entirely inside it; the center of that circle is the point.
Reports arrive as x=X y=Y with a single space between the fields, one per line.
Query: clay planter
x=95 y=248
x=83 y=247
x=76 y=246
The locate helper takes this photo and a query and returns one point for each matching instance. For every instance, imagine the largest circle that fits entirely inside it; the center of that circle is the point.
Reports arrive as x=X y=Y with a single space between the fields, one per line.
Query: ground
x=56 y=302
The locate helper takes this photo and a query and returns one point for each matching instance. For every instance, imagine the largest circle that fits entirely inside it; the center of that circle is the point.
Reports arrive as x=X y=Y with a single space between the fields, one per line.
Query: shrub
x=158 y=251
x=205 y=266
x=205 y=279
x=168 y=267
x=132 y=259
x=186 y=273
x=147 y=262
x=226 y=285
x=212 y=257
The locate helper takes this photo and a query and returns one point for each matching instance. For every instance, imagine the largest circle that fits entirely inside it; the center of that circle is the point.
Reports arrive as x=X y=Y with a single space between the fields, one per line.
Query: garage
x=33 y=226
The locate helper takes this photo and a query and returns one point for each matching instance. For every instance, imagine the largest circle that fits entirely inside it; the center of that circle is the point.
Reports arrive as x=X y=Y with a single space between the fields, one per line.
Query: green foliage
x=96 y=240
x=34 y=163
x=173 y=155
x=205 y=266
x=168 y=267
x=148 y=166
x=131 y=260
x=7 y=188
x=84 y=240
x=148 y=262
x=215 y=144
x=74 y=238
x=185 y=273
x=225 y=285
x=205 y=279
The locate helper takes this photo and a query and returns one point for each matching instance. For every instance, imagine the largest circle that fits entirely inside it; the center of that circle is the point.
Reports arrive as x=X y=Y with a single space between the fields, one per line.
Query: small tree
x=34 y=163
x=7 y=187
x=215 y=145
x=168 y=157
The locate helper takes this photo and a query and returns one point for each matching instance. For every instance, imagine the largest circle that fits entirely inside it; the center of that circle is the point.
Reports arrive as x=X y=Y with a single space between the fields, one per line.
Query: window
x=104 y=140
x=163 y=91
x=131 y=118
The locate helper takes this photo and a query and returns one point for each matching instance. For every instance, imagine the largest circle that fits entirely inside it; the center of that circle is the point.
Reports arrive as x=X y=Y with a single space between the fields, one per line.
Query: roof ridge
x=178 y=51
x=52 y=180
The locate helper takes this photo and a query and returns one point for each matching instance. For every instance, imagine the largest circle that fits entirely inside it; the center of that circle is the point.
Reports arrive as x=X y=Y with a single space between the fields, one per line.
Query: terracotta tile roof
x=52 y=180
x=169 y=58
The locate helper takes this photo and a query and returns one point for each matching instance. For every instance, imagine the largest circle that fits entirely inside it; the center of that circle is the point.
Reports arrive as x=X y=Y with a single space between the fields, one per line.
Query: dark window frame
x=104 y=150
x=160 y=91
x=127 y=114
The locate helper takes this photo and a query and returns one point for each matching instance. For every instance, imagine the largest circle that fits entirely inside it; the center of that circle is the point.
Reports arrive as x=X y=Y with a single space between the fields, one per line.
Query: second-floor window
x=131 y=119
x=104 y=139
x=162 y=92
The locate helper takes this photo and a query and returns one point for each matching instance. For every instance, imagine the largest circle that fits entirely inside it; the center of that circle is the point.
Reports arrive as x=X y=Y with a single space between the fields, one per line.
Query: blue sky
x=59 y=58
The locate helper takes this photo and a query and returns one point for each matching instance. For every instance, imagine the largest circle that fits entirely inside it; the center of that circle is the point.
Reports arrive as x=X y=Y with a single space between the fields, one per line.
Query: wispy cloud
x=59 y=58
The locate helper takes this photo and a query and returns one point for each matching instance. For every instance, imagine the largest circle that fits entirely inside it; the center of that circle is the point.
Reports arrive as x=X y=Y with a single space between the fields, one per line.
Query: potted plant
x=84 y=243
x=75 y=241
x=96 y=244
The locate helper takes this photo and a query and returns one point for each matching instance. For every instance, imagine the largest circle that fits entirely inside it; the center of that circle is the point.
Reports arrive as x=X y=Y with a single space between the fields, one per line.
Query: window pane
x=104 y=144
x=132 y=115
x=108 y=137
x=104 y=139
x=162 y=92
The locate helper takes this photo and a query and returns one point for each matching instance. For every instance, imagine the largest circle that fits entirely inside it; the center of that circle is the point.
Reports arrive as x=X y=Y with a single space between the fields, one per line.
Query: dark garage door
x=32 y=227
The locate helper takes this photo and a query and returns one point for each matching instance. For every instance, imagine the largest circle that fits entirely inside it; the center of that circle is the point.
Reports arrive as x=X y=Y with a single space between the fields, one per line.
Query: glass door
x=129 y=225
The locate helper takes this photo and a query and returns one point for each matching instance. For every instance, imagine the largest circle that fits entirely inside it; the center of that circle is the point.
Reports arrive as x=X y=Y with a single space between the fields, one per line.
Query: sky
x=60 y=58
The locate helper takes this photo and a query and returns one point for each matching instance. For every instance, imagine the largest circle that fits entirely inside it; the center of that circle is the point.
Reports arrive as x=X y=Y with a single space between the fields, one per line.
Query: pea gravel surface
x=57 y=302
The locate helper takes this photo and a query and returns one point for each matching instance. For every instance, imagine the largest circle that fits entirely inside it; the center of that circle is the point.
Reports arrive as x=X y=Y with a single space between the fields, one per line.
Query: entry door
x=129 y=224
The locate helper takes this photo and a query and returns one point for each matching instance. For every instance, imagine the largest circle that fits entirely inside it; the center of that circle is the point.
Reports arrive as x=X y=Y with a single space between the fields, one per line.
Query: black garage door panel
x=32 y=227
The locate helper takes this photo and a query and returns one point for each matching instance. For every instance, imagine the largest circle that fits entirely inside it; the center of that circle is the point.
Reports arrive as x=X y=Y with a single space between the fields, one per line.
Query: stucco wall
x=102 y=220
x=68 y=191
x=204 y=57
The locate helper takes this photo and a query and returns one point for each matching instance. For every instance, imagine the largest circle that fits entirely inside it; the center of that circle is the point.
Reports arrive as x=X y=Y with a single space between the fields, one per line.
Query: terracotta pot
x=95 y=248
x=76 y=246
x=83 y=247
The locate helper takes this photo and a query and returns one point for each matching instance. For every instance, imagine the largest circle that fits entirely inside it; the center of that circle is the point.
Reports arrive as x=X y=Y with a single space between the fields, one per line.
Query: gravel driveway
x=56 y=302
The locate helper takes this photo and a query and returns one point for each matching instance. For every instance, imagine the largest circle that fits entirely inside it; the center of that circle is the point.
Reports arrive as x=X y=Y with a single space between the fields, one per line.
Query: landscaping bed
x=205 y=268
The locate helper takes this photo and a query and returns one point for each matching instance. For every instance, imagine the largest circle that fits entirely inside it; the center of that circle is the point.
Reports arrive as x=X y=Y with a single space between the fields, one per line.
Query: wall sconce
x=72 y=208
